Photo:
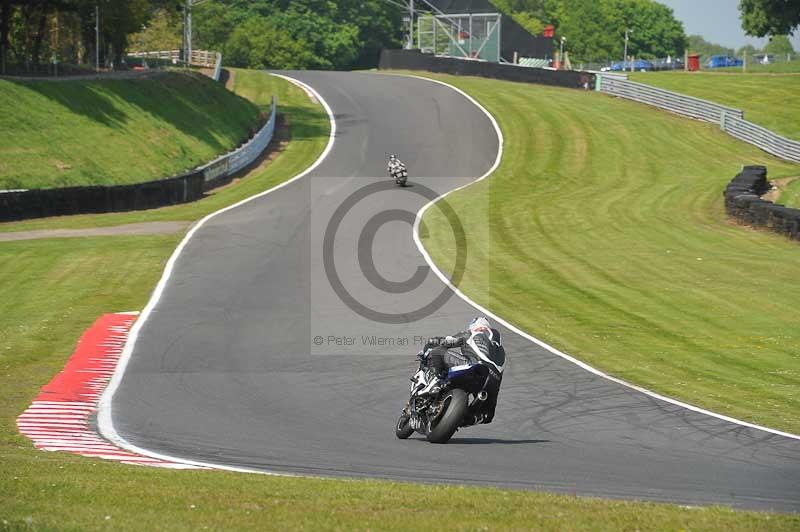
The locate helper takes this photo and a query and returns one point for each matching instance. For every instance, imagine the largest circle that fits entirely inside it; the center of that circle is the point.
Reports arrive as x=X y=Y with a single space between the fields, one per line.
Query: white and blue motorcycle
x=458 y=399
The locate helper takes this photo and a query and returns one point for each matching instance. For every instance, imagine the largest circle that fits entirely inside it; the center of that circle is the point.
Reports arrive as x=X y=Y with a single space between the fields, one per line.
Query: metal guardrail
x=230 y=163
x=202 y=58
x=762 y=137
x=730 y=120
x=671 y=101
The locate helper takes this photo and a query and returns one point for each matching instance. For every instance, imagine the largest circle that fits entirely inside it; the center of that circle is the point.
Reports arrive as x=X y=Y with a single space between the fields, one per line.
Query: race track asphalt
x=245 y=359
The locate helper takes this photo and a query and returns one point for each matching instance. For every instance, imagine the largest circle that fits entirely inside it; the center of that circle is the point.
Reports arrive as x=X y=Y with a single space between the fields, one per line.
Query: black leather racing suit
x=468 y=348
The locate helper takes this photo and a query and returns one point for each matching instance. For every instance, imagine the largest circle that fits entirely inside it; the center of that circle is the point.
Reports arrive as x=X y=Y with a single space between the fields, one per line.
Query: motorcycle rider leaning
x=479 y=344
x=395 y=166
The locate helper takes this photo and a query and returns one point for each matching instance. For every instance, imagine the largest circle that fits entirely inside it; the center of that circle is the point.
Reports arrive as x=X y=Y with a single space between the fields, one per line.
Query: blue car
x=639 y=65
x=722 y=61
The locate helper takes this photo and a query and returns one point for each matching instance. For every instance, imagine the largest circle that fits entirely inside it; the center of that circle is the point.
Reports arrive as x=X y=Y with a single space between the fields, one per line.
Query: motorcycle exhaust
x=482 y=395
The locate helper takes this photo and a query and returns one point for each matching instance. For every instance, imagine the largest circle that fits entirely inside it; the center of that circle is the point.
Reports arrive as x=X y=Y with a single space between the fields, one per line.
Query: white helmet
x=480 y=325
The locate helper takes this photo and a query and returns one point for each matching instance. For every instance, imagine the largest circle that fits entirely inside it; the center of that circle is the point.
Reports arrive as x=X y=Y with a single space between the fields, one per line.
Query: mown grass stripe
x=616 y=249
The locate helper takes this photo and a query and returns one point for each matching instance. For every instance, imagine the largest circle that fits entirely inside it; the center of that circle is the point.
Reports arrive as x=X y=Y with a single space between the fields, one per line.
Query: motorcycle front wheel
x=403 y=429
x=454 y=406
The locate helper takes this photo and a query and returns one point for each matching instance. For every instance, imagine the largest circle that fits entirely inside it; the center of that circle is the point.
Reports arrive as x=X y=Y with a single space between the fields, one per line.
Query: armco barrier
x=415 y=60
x=671 y=101
x=730 y=120
x=762 y=137
x=220 y=171
x=24 y=204
x=744 y=204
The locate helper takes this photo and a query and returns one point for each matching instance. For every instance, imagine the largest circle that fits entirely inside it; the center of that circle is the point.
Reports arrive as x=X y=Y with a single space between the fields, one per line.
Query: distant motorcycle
x=397 y=170
x=438 y=416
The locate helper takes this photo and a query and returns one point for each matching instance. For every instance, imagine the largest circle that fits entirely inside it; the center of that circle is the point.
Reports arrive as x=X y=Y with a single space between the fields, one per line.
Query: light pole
x=561 y=55
x=97 y=36
x=625 y=57
x=187 y=32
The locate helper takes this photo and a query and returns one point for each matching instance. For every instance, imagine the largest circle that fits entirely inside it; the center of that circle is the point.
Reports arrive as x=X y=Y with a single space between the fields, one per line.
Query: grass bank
x=63 y=133
x=767 y=100
x=603 y=233
x=308 y=129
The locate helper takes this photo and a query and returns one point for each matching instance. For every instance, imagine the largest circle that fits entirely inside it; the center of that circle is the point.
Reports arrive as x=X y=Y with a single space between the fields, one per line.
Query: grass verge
x=790 y=195
x=603 y=233
x=80 y=494
x=51 y=290
x=767 y=100
x=783 y=67
x=101 y=132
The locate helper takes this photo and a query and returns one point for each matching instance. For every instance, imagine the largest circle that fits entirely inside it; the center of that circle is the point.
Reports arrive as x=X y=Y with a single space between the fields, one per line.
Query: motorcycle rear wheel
x=455 y=405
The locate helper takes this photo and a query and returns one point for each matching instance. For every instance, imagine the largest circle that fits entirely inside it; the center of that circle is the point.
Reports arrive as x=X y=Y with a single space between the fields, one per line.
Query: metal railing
x=762 y=137
x=230 y=163
x=203 y=58
x=730 y=120
x=671 y=101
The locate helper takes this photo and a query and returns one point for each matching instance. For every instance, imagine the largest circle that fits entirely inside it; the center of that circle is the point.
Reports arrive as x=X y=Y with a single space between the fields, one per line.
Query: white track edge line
x=519 y=331
x=105 y=423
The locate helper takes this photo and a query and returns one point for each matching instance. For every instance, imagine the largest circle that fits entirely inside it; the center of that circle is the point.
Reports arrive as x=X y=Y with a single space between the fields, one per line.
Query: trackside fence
x=203 y=58
x=730 y=120
x=220 y=170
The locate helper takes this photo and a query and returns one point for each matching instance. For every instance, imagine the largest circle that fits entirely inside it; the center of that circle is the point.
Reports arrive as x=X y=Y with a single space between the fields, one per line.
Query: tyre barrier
x=416 y=60
x=744 y=204
x=38 y=203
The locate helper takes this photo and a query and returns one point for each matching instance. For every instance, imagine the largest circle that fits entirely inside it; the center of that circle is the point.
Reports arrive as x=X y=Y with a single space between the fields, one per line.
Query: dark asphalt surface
x=226 y=369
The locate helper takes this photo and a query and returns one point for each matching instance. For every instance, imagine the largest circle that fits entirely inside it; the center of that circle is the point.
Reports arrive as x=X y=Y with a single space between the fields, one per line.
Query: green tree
x=747 y=49
x=779 y=45
x=586 y=26
x=213 y=21
x=163 y=32
x=655 y=30
x=596 y=30
x=343 y=34
x=260 y=43
x=530 y=14
x=769 y=17
x=696 y=44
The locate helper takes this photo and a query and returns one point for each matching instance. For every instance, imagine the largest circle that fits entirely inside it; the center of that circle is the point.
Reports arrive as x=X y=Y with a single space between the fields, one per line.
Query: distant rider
x=396 y=167
x=479 y=344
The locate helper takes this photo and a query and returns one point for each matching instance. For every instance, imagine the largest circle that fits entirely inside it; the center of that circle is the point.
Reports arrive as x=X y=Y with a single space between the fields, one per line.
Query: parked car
x=668 y=63
x=722 y=61
x=641 y=65
x=763 y=59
